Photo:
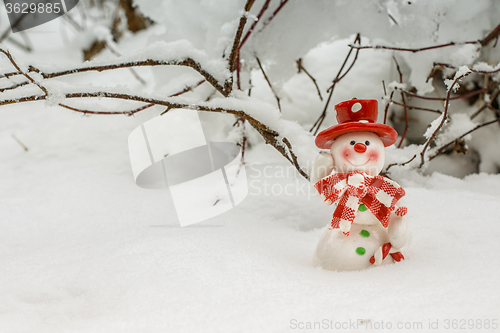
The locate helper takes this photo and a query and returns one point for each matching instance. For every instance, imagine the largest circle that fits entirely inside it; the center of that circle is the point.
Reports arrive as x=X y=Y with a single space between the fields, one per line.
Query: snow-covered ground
x=86 y=250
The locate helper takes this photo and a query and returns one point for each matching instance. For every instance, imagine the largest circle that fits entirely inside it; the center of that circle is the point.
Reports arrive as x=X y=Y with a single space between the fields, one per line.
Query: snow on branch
x=178 y=53
x=443 y=117
x=281 y=134
x=493 y=35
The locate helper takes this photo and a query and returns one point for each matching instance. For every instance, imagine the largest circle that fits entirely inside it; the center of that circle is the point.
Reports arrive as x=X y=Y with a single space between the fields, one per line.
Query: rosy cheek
x=346 y=151
x=374 y=155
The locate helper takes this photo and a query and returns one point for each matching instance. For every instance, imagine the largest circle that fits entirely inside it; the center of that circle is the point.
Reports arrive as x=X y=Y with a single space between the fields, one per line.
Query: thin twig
x=442 y=64
x=7 y=75
x=330 y=90
x=444 y=116
x=237 y=38
x=238 y=70
x=243 y=143
x=252 y=27
x=8 y=31
x=386 y=110
x=400 y=164
x=301 y=68
x=9 y=56
x=473 y=93
x=293 y=159
x=25 y=48
x=149 y=62
x=270 y=136
x=127 y=113
x=132 y=70
x=491 y=36
x=269 y=83
x=413 y=50
x=167 y=103
x=404 y=103
x=393 y=19
x=27 y=40
x=188 y=88
x=411 y=107
x=19 y=142
x=131 y=112
x=17 y=85
x=245 y=38
x=481 y=109
x=280 y=7
x=443 y=148
x=268 y=133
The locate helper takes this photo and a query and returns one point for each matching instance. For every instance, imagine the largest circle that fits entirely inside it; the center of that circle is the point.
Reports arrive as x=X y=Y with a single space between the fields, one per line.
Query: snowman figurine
x=369 y=225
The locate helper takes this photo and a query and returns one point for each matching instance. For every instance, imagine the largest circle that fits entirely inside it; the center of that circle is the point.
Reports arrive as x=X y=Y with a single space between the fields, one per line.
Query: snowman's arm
x=322 y=167
x=398 y=230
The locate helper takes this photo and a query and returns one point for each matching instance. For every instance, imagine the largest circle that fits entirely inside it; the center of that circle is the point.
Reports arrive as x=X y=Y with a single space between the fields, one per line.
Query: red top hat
x=356 y=115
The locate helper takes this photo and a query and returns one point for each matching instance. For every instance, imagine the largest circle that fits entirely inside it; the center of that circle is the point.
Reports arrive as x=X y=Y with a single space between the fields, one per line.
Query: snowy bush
x=286 y=67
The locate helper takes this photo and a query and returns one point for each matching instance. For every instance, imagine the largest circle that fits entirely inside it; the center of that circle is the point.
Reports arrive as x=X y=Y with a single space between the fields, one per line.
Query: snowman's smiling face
x=358 y=151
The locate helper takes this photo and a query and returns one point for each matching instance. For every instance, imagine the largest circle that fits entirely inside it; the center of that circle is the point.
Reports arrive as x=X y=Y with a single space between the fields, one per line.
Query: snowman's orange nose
x=359 y=147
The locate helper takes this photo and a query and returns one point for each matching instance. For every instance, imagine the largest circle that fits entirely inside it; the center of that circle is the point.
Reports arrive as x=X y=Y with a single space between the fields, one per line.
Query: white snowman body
x=350 y=152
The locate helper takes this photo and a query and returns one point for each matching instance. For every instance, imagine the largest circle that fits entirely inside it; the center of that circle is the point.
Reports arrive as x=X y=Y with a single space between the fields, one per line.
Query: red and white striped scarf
x=348 y=190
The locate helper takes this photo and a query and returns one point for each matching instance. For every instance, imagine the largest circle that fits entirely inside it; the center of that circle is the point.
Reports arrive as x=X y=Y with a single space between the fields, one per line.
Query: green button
x=365 y=233
x=360 y=251
x=362 y=208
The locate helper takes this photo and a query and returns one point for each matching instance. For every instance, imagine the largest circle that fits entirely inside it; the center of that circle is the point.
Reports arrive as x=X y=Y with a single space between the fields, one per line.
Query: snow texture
x=86 y=250
x=433 y=127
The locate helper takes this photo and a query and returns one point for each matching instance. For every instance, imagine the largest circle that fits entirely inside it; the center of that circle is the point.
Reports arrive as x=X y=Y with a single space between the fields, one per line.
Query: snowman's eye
x=367 y=142
x=353 y=143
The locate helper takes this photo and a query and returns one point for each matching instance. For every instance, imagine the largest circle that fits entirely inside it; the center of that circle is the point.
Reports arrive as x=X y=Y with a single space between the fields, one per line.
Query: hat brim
x=387 y=134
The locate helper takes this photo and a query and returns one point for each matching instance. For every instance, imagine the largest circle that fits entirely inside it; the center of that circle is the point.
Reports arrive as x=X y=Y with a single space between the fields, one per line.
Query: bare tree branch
x=404 y=104
x=130 y=112
x=282 y=144
x=293 y=159
x=20 y=142
x=133 y=71
x=444 y=115
x=269 y=83
x=301 y=68
x=492 y=35
x=443 y=148
x=339 y=77
x=17 y=85
x=252 y=27
x=188 y=62
x=26 y=48
x=9 y=56
x=237 y=38
x=399 y=164
x=410 y=107
x=280 y=7
x=413 y=50
x=473 y=93
x=126 y=113
x=441 y=64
